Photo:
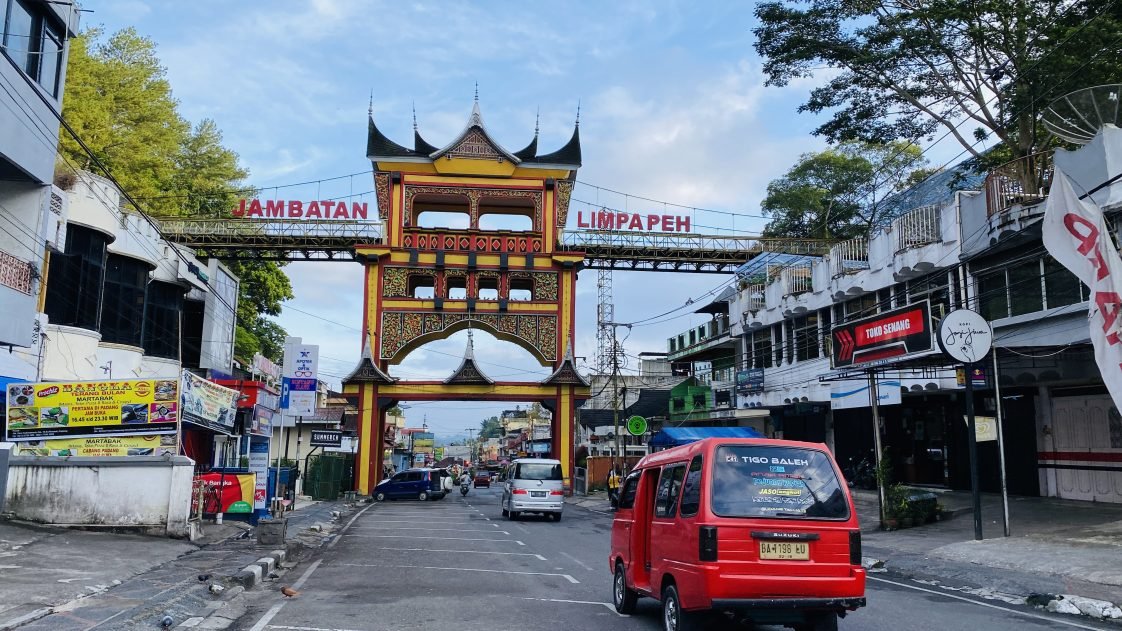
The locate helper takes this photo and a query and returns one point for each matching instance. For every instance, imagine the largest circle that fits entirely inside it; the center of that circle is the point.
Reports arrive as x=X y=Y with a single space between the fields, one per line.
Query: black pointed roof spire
x=367 y=371
x=420 y=145
x=531 y=149
x=469 y=371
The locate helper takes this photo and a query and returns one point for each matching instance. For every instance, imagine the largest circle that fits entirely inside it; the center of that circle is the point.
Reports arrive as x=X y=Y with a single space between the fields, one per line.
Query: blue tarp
x=674 y=436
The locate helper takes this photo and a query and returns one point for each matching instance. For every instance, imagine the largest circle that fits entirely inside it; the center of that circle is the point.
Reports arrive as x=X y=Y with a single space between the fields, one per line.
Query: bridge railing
x=577 y=239
x=234 y=232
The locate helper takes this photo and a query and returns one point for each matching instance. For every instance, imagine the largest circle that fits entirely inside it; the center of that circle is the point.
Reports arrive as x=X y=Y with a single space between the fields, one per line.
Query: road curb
x=252 y=574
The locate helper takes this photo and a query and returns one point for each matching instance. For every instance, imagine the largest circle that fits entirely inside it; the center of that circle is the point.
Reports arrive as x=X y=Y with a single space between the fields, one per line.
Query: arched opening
x=422 y=286
x=521 y=289
x=455 y=287
x=514 y=214
x=441 y=211
x=498 y=358
x=488 y=288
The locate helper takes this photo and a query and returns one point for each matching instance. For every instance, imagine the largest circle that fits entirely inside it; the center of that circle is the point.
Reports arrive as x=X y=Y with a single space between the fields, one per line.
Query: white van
x=533 y=485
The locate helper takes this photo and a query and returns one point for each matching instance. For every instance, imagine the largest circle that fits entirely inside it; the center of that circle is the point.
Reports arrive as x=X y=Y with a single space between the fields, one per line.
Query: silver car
x=533 y=485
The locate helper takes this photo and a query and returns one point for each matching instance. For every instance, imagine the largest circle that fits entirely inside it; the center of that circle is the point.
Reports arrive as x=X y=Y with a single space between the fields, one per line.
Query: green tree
x=840 y=192
x=120 y=103
x=490 y=428
x=909 y=70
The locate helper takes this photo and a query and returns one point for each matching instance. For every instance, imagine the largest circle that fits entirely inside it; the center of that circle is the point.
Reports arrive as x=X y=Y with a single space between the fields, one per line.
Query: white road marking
x=576 y=602
x=521 y=554
x=461 y=569
x=290 y=628
x=366 y=528
x=578 y=561
x=415 y=522
x=1026 y=614
x=275 y=609
x=440 y=538
x=287 y=628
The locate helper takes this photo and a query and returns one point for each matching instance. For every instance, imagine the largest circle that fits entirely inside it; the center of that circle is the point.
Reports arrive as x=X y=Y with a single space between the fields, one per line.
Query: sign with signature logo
x=965 y=335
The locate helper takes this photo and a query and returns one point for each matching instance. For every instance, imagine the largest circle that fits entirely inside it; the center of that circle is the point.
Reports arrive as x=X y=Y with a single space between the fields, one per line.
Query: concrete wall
x=153 y=495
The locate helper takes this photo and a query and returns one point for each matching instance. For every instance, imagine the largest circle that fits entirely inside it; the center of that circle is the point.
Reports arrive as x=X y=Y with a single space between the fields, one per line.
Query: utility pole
x=471 y=444
x=617 y=461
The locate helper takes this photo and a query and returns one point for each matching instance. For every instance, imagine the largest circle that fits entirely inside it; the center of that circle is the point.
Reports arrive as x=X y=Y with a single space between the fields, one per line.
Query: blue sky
x=673 y=107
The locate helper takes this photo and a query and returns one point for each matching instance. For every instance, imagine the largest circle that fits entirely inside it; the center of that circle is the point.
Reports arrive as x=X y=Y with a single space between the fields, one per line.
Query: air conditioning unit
x=56 y=211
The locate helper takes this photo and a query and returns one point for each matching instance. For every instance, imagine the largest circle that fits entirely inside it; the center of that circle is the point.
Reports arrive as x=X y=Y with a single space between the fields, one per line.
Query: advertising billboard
x=750 y=381
x=423 y=442
x=207 y=404
x=261 y=423
x=301 y=368
x=40 y=411
x=102 y=446
x=883 y=337
x=217 y=351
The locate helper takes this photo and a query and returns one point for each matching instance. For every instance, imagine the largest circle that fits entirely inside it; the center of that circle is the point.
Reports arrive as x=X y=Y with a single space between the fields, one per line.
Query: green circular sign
x=636 y=426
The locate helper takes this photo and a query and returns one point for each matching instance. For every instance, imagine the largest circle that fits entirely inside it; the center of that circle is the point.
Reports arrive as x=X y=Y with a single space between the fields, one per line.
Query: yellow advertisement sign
x=41 y=411
x=102 y=446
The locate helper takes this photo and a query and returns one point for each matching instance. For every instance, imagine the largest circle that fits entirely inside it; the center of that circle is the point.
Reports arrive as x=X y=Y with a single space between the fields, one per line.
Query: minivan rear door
x=784 y=507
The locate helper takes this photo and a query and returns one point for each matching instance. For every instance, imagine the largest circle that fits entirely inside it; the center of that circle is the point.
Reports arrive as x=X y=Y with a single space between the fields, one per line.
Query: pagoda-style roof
x=469 y=371
x=475 y=141
x=566 y=374
x=367 y=371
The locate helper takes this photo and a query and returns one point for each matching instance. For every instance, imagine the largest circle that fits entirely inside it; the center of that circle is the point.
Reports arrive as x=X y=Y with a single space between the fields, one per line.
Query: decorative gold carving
x=395 y=282
x=475 y=145
x=537 y=332
x=382 y=189
x=564 y=192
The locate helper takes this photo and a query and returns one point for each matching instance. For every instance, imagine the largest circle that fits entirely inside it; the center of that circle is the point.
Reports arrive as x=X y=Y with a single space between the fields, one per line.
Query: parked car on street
x=765 y=529
x=482 y=478
x=422 y=484
x=533 y=485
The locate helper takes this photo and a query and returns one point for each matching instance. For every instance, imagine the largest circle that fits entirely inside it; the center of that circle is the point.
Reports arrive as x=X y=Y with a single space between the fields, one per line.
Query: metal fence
x=1020 y=182
x=917 y=227
x=849 y=256
x=797 y=279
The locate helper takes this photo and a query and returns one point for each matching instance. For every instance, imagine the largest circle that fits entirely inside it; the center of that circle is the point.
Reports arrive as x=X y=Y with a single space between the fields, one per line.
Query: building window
x=761 y=349
x=827 y=333
x=488 y=288
x=698 y=401
x=161 y=320
x=1061 y=287
x=1025 y=288
x=34 y=43
x=933 y=288
x=777 y=342
x=993 y=302
x=422 y=286
x=74 y=288
x=789 y=340
x=861 y=306
x=122 y=310
x=456 y=287
x=806 y=337
x=521 y=289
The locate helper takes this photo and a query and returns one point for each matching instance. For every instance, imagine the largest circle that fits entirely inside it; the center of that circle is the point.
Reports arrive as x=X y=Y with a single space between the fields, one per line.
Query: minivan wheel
x=556 y=516
x=623 y=597
x=673 y=618
x=423 y=495
x=379 y=497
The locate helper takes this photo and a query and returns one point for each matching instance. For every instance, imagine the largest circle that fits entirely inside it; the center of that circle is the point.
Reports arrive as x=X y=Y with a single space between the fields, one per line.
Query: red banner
x=227 y=493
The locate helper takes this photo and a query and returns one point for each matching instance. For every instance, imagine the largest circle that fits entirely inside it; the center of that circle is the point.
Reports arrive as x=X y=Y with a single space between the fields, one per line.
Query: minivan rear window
x=779 y=482
x=538 y=471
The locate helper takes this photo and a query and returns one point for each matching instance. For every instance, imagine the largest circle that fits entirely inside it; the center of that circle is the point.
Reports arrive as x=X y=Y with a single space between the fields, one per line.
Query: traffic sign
x=636 y=426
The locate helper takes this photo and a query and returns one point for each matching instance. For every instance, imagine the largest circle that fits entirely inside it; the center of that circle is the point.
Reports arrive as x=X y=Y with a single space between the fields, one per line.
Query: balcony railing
x=796 y=279
x=1022 y=182
x=16 y=273
x=849 y=256
x=917 y=227
x=755 y=296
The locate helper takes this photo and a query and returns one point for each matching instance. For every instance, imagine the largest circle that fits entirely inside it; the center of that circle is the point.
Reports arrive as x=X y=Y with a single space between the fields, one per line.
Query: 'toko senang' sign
x=281 y=209
x=615 y=220
x=890 y=335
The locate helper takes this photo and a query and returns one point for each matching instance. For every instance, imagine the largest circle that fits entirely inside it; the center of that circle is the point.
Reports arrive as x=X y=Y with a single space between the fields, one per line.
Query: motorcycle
x=464 y=488
x=861 y=475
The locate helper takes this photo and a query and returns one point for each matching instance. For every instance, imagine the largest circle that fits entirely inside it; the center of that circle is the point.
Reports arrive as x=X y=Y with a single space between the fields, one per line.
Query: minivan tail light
x=855 y=547
x=556 y=492
x=518 y=492
x=707 y=543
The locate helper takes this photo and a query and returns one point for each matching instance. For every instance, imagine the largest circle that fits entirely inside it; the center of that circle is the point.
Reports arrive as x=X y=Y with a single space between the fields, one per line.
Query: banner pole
x=1001 y=445
x=873 y=396
x=972 y=442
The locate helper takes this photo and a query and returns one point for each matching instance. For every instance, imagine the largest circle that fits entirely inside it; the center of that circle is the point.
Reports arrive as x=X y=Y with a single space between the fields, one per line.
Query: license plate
x=784 y=551
x=537 y=493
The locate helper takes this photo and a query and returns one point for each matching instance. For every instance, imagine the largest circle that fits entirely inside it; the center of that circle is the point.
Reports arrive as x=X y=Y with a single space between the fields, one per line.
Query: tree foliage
x=490 y=428
x=119 y=101
x=840 y=193
x=910 y=70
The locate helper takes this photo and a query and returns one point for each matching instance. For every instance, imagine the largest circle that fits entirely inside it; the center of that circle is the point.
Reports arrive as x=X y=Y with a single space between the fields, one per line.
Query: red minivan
x=763 y=528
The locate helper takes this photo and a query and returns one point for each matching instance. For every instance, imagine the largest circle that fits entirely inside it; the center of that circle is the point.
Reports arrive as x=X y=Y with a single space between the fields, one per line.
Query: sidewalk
x=1056 y=546
x=55 y=578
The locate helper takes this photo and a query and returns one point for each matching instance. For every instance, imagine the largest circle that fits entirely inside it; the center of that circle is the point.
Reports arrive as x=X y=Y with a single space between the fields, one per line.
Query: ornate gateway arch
x=424 y=284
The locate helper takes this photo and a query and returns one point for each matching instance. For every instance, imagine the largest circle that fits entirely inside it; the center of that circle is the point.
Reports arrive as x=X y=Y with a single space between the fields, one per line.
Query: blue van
x=422 y=484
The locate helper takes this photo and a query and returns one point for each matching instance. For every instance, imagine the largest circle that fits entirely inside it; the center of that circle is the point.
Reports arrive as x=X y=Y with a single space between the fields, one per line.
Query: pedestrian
x=613 y=487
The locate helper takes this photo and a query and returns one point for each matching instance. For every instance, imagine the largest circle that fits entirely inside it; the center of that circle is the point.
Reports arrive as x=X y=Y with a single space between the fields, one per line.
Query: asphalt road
x=456 y=564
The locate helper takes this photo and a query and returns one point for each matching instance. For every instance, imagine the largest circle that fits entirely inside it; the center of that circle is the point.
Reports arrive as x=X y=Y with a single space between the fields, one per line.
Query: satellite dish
x=1078 y=116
